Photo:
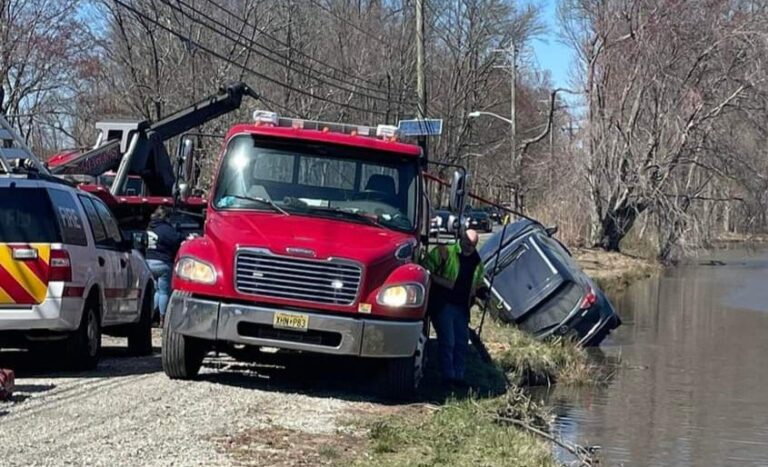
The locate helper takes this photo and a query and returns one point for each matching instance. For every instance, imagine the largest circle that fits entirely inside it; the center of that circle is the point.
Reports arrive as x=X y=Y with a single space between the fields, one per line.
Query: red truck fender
x=410 y=273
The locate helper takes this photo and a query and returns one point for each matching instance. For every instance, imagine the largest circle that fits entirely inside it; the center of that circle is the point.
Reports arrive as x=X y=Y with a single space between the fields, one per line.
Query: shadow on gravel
x=40 y=363
x=343 y=378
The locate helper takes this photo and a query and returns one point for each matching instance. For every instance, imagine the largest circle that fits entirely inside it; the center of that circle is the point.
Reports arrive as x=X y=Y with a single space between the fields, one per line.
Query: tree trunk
x=616 y=224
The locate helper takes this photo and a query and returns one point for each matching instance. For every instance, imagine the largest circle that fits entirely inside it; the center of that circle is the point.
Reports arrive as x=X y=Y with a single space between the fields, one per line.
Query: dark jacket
x=164 y=241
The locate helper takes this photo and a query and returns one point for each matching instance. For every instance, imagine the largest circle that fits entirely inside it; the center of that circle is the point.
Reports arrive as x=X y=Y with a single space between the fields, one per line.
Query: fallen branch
x=584 y=455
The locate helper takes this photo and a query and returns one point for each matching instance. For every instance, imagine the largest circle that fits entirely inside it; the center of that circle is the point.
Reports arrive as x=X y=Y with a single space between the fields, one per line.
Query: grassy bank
x=613 y=272
x=464 y=432
x=485 y=426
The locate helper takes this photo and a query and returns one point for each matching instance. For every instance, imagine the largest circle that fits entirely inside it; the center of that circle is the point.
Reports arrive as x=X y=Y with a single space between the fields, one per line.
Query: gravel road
x=129 y=412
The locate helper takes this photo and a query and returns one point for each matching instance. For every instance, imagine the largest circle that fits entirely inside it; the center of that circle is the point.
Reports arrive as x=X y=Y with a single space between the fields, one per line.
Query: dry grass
x=611 y=271
x=461 y=433
x=527 y=361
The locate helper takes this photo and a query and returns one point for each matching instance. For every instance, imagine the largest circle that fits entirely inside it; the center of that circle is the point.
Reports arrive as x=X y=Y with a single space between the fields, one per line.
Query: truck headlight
x=407 y=295
x=194 y=270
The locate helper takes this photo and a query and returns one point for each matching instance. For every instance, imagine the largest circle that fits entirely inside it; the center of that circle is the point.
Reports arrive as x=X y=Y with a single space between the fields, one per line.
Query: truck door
x=105 y=261
x=126 y=292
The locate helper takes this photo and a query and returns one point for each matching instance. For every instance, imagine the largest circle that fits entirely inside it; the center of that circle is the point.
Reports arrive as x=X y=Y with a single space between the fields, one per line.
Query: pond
x=691 y=380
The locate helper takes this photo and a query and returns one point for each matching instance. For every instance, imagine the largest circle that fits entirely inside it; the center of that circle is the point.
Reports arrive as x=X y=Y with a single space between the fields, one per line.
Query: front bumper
x=587 y=324
x=253 y=325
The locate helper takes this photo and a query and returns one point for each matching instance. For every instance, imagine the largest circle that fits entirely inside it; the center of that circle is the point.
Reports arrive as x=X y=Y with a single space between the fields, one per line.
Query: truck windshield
x=351 y=184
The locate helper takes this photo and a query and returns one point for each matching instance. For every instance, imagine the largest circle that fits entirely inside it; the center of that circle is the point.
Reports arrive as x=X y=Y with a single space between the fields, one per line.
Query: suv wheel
x=83 y=347
x=182 y=356
x=402 y=376
x=140 y=337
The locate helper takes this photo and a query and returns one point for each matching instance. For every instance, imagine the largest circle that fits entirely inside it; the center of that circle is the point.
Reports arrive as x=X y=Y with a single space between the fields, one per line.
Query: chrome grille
x=333 y=282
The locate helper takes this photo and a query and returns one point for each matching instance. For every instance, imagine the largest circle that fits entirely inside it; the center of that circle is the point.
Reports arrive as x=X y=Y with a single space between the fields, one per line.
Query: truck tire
x=83 y=347
x=140 y=337
x=402 y=376
x=182 y=356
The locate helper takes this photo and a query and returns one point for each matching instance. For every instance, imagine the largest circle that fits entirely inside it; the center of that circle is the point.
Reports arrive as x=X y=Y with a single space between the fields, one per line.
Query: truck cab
x=310 y=244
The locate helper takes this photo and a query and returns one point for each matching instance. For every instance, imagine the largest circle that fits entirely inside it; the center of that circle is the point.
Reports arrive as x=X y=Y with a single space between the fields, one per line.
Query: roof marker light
x=265 y=116
x=386 y=131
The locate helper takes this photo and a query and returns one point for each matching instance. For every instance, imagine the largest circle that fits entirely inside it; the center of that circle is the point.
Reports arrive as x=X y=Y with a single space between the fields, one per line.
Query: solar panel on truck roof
x=426 y=127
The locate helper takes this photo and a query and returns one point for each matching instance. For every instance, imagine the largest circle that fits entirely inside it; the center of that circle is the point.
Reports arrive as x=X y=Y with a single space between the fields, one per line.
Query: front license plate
x=293 y=321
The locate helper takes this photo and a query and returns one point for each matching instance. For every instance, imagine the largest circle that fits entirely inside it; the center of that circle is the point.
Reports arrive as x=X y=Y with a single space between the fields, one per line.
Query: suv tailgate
x=27 y=230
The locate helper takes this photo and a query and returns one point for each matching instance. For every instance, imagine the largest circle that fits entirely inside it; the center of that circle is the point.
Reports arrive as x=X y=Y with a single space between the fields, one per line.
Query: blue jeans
x=162 y=273
x=452 y=326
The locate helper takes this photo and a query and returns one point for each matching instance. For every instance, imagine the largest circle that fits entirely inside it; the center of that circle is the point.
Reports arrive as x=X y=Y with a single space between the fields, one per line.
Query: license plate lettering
x=292 y=321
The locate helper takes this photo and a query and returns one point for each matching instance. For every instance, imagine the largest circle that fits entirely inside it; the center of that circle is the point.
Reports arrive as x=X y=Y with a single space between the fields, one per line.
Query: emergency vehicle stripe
x=15 y=291
x=4 y=297
x=23 y=285
x=39 y=266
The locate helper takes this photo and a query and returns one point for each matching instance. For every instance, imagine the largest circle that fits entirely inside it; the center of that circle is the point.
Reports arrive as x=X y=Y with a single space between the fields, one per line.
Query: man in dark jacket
x=164 y=243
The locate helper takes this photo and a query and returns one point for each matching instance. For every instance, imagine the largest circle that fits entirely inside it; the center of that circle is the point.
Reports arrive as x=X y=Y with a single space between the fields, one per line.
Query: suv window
x=26 y=215
x=113 y=231
x=97 y=228
x=69 y=218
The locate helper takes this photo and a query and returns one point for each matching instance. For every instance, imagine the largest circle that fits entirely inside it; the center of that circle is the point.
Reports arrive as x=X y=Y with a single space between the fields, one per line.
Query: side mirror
x=551 y=230
x=186 y=168
x=458 y=192
x=140 y=241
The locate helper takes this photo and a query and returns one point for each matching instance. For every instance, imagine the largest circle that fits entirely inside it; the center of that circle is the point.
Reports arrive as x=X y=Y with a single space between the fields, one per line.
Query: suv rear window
x=26 y=216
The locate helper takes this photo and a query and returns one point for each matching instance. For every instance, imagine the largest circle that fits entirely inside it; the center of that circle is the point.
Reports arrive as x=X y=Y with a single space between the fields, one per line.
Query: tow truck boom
x=137 y=147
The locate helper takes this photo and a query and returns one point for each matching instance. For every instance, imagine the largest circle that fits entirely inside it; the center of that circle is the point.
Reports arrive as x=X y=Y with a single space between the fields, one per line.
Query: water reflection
x=692 y=385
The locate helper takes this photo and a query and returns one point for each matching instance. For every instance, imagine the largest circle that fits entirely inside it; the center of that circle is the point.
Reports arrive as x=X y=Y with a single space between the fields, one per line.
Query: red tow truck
x=311 y=242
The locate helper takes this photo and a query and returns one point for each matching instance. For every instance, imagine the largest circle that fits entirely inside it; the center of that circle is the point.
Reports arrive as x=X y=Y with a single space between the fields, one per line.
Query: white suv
x=67 y=273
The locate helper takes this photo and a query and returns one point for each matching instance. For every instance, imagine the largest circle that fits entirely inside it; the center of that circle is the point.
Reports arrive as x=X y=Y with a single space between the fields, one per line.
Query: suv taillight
x=60 y=267
x=589 y=299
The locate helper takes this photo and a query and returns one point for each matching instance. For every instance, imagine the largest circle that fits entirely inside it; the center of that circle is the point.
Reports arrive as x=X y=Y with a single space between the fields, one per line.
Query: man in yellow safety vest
x=457 y=276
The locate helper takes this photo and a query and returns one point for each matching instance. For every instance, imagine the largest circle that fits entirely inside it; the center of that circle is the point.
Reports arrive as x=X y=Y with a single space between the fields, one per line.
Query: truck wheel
x=83 y=347
x=402 y=376
x=182 y=356
x=140 y=337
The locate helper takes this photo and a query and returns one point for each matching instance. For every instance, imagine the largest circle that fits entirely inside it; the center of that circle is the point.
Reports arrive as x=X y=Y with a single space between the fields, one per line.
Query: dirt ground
x=282 y=410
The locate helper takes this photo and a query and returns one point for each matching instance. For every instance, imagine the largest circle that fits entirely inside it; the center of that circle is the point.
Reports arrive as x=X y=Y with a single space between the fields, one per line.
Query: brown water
x=691 y=387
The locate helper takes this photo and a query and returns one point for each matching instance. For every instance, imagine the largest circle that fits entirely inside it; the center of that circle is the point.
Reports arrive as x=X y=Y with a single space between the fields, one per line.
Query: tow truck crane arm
x=145 y=155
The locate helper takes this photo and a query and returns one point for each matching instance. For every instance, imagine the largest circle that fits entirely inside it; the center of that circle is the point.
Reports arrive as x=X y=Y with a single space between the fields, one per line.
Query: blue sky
x=549 y=52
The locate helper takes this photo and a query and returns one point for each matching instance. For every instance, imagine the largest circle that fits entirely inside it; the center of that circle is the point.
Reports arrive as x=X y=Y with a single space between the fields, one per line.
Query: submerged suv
x=67 y=274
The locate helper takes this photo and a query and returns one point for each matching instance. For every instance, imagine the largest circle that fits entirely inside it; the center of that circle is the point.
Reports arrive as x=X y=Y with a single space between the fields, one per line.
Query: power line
x=261 y=54
x=344 y=20
x=244 y=67
x=298 y=52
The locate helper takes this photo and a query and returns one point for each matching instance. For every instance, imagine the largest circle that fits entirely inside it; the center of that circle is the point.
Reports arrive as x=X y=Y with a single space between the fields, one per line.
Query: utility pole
x=421 y=84
x=511 y=66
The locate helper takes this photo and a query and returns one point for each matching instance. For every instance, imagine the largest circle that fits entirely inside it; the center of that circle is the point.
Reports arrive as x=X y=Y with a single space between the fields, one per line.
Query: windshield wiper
x=353 y=215
x=268 y=202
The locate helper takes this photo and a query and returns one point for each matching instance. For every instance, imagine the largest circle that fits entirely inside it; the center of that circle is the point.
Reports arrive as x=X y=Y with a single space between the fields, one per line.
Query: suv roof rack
x=15 y=155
